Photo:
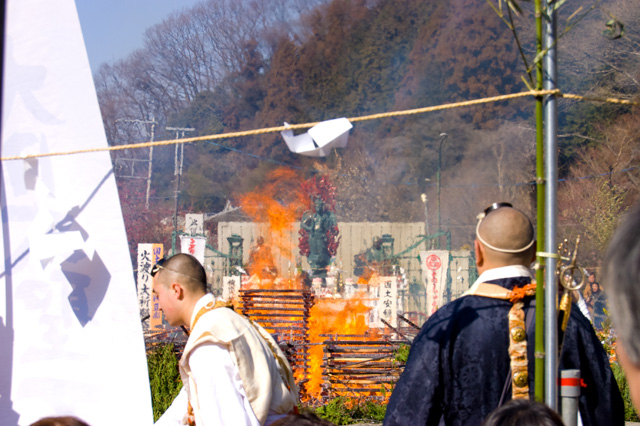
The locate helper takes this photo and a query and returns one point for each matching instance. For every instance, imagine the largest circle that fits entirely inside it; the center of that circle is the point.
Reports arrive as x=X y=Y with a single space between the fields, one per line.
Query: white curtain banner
x=435 y=266
x=71 y=339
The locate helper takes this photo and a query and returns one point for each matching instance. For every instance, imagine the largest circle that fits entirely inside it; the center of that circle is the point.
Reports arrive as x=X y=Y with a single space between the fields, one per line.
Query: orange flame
x=331 y=316
x=279 y=203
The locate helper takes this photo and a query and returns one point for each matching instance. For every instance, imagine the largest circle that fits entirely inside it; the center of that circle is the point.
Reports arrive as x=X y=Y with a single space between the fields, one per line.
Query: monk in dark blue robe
x=459 y=367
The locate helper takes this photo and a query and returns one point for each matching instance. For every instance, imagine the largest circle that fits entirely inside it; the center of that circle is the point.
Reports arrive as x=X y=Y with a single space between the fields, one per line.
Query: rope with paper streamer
x=231 y=135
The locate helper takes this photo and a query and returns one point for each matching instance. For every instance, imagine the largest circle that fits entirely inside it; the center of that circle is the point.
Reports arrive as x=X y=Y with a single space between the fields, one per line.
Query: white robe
x=218 y=344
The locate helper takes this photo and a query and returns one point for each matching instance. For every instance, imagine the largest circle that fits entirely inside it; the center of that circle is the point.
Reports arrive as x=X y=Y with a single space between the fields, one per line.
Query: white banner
x=388 y=304
x=435 y=266
x=70 y=332
x=194 y=246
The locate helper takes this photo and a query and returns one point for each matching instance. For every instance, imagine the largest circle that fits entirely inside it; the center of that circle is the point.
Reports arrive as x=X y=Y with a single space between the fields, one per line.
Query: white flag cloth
x=70 y=334
x=435 y=266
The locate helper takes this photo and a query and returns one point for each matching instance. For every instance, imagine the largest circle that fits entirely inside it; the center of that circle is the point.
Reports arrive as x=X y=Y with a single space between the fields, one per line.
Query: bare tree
x=600 y=185
x=191 y=52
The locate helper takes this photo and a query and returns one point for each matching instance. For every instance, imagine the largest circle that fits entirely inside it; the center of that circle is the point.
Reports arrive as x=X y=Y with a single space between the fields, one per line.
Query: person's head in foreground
x=621 y=282
x=178 y=282
x=504 y=237
x=60 y=421
x=523 y=412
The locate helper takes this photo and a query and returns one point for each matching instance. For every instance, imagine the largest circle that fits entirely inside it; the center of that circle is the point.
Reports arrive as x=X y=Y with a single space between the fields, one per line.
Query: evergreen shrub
x=347 y=411
x=164 y=378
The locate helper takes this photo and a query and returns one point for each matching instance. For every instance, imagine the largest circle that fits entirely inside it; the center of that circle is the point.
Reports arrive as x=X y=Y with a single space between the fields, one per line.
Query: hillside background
x=228 y=65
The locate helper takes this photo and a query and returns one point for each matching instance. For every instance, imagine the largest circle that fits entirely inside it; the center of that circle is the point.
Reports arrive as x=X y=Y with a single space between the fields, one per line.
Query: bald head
x=186 y=270
x=505 y=236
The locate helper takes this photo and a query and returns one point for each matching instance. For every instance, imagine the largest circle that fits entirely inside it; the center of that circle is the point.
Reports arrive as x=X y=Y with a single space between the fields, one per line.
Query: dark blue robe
x=459 y=362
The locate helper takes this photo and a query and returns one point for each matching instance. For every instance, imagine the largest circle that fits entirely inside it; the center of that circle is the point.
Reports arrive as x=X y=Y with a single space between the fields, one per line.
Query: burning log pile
x=347 y=359
x=284 y=314
x=354 y=365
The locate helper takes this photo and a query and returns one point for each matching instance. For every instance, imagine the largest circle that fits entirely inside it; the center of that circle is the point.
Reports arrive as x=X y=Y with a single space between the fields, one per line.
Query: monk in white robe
x=233 y=372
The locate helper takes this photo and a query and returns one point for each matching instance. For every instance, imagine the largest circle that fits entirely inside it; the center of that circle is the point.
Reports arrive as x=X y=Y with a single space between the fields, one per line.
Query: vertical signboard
x=435 y=266
x=145 y=262
x=155 y=314
x=388 y=305
x=230 y=287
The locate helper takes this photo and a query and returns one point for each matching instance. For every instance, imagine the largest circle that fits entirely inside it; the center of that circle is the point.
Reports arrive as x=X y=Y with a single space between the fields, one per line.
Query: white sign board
x=435 y=266
x=230 y=287
x=145 y=262
x=148 y=255
x=388 y=302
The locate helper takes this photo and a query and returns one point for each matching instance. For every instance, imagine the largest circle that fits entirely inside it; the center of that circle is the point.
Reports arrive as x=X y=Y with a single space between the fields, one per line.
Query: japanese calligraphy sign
x=435 y=267
x=388 y=300
x=194 y=224
x=230 y=287
x=194 y=246
x=145 y=262
x=155 y=314
x=148 y=255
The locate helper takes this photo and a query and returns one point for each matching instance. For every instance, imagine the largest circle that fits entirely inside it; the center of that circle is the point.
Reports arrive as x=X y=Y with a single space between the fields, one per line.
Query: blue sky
x=114 y=28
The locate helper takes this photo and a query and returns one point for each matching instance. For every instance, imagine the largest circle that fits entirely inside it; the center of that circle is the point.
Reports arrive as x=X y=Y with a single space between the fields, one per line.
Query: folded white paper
x=320 y=139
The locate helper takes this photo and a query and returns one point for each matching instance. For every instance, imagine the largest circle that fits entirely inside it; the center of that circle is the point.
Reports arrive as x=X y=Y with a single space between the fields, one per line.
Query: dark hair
x=523 y=412
x=302 y=419
x=60 y=421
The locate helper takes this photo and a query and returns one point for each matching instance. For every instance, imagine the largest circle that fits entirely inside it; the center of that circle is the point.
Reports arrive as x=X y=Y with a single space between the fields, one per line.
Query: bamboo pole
x=540 y=198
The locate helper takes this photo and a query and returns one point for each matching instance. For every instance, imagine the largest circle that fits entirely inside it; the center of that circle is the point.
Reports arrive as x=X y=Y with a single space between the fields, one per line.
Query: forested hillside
x=237 y=65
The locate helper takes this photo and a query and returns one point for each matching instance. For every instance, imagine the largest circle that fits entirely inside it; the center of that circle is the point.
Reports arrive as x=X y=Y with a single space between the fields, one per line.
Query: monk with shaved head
x=233 y=372
x=477 y=352
x=504 y=238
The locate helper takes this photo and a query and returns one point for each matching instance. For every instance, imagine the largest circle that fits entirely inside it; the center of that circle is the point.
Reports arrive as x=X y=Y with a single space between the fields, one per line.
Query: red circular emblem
x=433 y=262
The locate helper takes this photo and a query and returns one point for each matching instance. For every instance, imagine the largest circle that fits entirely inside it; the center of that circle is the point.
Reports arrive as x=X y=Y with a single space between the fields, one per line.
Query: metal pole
x=539 y=378
x=569 y=393
x=443 y=136
x=153 y=131
x=425 y=200
x=438 y=183
x=551 y=177
x=178 y=173
x=175 y=200
x=426 y=215
x=153 y=123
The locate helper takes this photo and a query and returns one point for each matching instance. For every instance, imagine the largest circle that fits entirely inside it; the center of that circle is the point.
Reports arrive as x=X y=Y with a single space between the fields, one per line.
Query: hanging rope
x=266 y=130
